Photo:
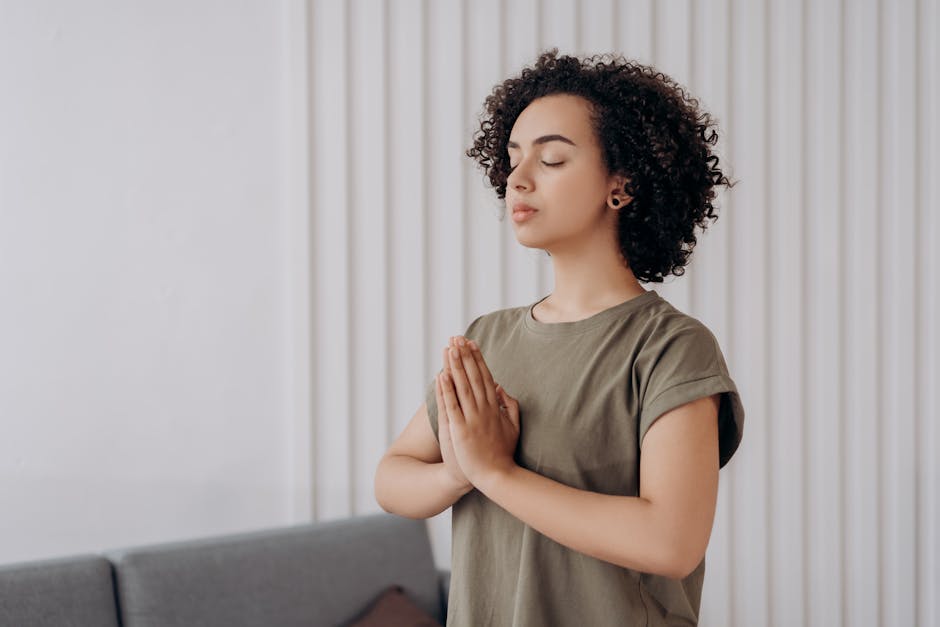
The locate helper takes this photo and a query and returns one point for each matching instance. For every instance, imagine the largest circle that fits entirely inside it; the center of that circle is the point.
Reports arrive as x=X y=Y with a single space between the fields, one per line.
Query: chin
x=529 y=242
x=533 y=237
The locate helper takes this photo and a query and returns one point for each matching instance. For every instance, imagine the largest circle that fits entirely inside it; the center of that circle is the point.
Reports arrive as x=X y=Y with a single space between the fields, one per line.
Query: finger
x=454 y=414
x=445 y=357
x=485 y=373
x=439 y=395
x=481 y=394
x=461 y=383
x=443 y=423
x=511 y=411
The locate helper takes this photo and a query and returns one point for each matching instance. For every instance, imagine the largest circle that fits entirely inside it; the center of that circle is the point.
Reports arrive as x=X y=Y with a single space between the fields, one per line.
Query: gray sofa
x=325 y=573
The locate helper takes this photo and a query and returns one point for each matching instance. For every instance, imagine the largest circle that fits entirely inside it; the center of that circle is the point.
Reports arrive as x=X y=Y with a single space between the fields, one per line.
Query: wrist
x=493 y=476
x=450 y=483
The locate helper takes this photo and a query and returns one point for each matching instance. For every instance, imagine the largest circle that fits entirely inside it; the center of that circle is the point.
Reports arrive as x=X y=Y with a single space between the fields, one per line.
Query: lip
x=522 y=212
x=521 y=207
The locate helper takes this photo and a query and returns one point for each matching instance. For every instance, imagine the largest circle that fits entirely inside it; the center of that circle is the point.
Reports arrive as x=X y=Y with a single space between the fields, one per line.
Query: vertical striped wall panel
x=819 y=278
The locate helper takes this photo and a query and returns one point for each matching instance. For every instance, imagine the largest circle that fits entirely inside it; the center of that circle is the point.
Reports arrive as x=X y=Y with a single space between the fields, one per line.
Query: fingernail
x=460 y=341
x=453 y=352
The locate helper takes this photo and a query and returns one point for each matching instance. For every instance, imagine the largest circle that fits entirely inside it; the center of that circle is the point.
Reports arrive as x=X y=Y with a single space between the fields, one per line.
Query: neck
x=592 y=278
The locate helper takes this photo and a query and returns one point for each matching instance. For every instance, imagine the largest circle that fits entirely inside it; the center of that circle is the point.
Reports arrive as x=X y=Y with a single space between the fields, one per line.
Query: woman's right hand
x=447 y=447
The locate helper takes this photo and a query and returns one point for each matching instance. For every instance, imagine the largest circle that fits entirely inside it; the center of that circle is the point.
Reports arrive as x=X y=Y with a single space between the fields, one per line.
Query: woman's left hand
x=483 y=418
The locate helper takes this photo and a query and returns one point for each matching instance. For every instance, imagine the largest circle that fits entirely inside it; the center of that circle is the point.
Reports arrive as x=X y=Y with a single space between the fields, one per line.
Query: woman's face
x=570 y=198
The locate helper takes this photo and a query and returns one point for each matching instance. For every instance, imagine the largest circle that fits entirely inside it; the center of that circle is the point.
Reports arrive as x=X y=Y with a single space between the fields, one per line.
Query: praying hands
x=478 y=422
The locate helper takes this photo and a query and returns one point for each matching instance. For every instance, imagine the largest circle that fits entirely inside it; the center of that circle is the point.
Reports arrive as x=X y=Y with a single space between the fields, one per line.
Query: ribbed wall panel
x=331 y=179
x=819 y=278
x=823 y=276
x=786 y=411
x=898 y=271
x=862 y=370
x=927 y=158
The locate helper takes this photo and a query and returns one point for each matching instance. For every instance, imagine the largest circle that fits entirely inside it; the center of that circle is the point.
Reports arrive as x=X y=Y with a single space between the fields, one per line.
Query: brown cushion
x=394 y=609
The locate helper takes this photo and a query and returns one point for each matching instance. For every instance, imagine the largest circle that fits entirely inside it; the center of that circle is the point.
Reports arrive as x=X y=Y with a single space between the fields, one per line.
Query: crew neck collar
x=578 y=326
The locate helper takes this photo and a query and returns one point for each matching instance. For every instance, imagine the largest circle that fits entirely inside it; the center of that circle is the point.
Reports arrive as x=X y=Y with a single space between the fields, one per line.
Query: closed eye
x=548 y=164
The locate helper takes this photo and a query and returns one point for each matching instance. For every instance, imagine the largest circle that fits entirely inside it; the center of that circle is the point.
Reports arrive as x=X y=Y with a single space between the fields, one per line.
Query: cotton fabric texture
x=588 y=392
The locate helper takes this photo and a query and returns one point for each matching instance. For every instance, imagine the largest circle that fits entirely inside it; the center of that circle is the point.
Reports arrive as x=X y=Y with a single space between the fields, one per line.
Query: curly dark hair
x=650 y=131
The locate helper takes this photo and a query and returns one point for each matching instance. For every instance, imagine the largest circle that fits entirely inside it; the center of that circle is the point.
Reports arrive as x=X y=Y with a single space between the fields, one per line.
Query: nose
x=519 y=177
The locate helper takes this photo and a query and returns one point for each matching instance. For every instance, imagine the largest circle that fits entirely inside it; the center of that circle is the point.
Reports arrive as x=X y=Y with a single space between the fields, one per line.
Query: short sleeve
x=688 y=365
x=430 y=397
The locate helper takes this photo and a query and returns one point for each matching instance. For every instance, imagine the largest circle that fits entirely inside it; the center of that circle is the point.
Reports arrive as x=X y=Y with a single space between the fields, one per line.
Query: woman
x=584 y=483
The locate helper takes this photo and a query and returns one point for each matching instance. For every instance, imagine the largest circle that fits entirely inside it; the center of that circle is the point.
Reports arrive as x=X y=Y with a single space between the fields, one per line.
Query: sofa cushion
x=394 y=609
x=323 y=573
x=76 y=591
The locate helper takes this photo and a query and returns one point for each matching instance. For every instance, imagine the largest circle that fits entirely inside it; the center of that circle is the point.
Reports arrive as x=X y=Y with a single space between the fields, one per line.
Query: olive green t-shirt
x=588 y=391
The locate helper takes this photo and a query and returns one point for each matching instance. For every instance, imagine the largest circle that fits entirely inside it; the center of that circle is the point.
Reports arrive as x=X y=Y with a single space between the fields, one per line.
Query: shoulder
x=681 y=361
x=674 y=346
x=496 y=321
x=665 y=326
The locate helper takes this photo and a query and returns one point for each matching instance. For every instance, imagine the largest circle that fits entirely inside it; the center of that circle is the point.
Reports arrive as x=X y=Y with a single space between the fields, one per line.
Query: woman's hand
x=482 y=419
x=443 y=432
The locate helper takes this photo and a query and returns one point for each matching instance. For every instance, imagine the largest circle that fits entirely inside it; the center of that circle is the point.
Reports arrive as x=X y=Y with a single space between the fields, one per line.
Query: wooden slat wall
x=819 y=278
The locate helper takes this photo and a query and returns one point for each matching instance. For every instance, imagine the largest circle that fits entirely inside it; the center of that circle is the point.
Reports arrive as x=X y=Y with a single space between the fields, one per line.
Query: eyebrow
x=543 y=139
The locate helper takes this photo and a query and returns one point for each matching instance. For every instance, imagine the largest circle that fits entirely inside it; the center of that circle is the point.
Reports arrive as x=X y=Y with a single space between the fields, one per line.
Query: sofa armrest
x=443 y=580
x=72 y=590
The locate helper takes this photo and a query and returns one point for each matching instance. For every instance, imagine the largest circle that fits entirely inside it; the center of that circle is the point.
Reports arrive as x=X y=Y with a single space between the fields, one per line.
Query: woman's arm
x=665 y=530
x=411 y=479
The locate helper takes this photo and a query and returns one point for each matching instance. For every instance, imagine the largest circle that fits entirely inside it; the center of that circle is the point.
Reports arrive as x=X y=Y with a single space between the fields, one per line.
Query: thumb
x=501 y=395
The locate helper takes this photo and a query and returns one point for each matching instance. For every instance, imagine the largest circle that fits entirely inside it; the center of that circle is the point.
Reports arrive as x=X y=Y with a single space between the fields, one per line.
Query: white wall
x=234 y=238
x=819 y=279
x=145 y=355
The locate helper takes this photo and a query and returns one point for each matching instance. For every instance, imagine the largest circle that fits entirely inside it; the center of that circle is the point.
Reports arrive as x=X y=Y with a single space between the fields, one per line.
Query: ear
x=617 y=197
x=618 y=185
